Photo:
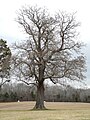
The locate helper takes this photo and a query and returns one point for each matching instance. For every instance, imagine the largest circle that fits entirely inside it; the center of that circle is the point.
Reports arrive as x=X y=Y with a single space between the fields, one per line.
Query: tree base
x=39 y=108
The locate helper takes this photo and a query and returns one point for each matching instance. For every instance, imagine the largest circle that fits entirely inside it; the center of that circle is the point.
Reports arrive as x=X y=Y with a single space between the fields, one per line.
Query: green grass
x=56 y=111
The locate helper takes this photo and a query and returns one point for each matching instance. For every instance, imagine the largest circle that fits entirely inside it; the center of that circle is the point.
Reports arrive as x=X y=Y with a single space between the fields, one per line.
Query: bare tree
x=51 y=52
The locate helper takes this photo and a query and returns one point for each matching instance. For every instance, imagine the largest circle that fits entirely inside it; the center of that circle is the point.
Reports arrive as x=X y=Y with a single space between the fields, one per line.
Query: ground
x=56 y=111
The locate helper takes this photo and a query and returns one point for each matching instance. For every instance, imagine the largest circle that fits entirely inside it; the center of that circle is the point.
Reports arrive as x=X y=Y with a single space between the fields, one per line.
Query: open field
x=56 y=111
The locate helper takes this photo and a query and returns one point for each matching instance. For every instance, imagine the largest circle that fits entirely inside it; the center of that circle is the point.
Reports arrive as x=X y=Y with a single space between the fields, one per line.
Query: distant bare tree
x=51 y=52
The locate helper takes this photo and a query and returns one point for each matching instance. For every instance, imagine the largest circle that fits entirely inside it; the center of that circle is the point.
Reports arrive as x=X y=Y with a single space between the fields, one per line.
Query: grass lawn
x=56 y=111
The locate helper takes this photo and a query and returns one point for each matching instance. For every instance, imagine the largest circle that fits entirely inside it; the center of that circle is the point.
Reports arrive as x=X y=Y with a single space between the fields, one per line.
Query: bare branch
x=52 y=50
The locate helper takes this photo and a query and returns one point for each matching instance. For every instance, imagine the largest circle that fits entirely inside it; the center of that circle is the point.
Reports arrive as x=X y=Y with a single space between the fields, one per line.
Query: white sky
x=10 y=31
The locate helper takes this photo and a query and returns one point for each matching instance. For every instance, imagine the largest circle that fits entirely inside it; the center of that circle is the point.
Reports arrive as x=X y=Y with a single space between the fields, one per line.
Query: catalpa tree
x=51 y=51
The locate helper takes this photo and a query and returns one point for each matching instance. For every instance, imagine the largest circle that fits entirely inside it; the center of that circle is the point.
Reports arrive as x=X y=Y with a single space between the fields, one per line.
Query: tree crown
x=52 y=51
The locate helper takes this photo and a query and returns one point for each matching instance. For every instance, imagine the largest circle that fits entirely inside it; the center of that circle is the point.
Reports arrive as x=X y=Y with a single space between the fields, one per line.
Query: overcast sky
x=10 y=31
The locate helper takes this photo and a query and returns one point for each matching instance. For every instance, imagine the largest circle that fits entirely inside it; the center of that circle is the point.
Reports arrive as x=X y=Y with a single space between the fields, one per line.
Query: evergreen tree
x=5 y=55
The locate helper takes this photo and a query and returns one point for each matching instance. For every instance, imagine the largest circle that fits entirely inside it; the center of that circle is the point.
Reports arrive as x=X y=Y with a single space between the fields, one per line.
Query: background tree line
x=22 y=92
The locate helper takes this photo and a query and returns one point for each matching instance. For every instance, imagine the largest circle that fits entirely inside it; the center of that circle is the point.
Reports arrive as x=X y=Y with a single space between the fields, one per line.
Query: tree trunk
x=0 y=88
x=40 y=97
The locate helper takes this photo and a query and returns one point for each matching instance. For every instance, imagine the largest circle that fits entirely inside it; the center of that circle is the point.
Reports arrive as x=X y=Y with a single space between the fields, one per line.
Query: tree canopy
x=51 y=51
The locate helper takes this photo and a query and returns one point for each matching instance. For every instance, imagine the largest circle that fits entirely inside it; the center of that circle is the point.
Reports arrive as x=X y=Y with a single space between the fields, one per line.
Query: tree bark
x=40 y=97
